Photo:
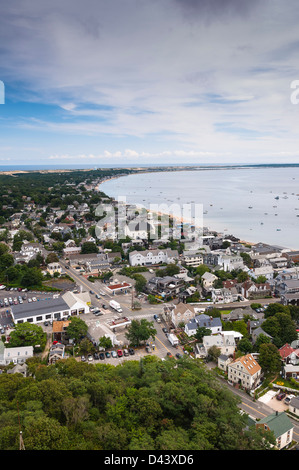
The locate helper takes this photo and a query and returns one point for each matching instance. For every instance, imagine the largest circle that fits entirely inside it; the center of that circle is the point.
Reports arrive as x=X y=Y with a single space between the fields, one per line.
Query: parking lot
x=15 y=296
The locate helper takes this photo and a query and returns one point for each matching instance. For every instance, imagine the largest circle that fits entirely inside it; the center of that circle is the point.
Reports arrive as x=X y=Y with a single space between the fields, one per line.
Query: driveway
x=270 y=399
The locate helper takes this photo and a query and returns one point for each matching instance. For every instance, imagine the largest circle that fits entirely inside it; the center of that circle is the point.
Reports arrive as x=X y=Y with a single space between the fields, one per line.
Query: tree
x=89 y=247
x=245 y=346
x=32 y=277
x=262 y=339
x=52 y=258
x=261 y=280
x=269 y=358
x=281 y=327
x=105 y=342
x=201 y=332
x=140 y=282
x=27 y=334
x=201 y=269
x=140 y=331
x=76 y=329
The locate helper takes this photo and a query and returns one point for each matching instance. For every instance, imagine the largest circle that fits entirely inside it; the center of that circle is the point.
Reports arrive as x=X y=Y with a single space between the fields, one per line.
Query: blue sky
x=138 y=82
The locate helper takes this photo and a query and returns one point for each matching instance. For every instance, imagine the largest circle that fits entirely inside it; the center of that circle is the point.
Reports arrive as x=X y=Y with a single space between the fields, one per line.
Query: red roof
x=285 y=351
x=119 y=286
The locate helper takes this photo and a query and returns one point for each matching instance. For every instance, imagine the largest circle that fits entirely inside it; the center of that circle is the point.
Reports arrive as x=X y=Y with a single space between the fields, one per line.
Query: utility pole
x=22 y=445
x=132 y=306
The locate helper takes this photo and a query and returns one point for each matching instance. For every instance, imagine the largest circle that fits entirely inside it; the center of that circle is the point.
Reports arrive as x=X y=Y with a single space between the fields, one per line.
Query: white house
x=208 y=280
x=203 y=321
x=228 y=262
x=152 y=257
x=282 y=427
x=245 y=371
x=15 y=355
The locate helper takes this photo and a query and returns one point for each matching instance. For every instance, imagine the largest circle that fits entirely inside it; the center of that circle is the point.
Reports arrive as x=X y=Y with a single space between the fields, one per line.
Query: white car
x=34 y=299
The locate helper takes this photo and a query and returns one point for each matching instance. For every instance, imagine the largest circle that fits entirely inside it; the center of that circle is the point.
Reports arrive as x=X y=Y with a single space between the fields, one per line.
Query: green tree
x=269 y=358
x=76 y=329
x=140 y=282
x=89 y=247
x=140 y=331
x=201 y=332
x=105 y=342
x=245 y=346
x=27 y=334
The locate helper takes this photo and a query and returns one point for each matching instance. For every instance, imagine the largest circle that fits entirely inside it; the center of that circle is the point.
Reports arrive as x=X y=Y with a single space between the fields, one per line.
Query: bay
x=236 y=201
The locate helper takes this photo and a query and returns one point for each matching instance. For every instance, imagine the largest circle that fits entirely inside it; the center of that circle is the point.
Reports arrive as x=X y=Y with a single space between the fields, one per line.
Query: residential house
x=288 y=289
x=16 y=355
x=294 y=406
x=153 y=257
x=222 y=295
x=223 y=361
x=290 y=371
x=208 y=280
x=252 y=290
x=71 y=250
x=257 y=332
x=182 y=313
x=289 y=355
x=56 y=353
x=266 y=271
x=203 y=320
x=226 y=343
x=245 y=371
x=53 y=268
x=230 y=262
x=164 y=286
x=192 y=258
x=19 y=369
x=281 y=426
x=59 y=330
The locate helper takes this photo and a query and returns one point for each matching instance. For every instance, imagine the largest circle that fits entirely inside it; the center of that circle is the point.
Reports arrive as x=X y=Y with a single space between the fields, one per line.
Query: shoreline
x=181 y=220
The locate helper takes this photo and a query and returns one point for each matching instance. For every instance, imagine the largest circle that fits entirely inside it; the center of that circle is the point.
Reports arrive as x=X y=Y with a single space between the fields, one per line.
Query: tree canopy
x=146 y=405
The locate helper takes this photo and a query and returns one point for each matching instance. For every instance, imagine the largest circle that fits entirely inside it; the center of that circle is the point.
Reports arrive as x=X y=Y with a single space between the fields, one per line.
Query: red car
x=281 y=396
x=119 y=353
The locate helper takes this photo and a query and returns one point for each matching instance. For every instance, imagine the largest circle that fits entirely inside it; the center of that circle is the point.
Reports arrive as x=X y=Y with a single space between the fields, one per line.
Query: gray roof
x=40 y=307
x=294 y=402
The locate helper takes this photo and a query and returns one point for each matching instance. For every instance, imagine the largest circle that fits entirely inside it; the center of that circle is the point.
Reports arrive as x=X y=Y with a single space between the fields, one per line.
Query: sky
x=118 y=82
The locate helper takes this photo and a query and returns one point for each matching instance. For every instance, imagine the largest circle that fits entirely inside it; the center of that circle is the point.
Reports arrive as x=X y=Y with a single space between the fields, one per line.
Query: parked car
x=169 y=354
x=280 y=396
x=104 y=306
x=96 y=356
x=107 y=354
x=113 y=354
x=165 y=330
x=288 y=399
x=126 y=352
x=119 y=353
x=83 y=358
x=90 y=357
x=102 y=356
x=131 y=351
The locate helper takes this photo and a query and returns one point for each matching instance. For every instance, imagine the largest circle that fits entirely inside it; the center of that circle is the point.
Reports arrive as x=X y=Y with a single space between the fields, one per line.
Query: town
x=78 y=290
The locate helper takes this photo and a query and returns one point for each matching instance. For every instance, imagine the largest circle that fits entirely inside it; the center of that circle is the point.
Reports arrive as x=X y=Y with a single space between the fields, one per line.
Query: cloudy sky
x=149 y=81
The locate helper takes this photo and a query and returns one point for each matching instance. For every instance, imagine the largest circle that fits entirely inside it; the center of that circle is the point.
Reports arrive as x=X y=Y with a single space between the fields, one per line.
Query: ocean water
x=238 y=201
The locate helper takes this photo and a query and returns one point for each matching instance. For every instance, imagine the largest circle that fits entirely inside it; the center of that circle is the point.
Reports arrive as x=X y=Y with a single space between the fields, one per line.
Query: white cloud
x=157 y=76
